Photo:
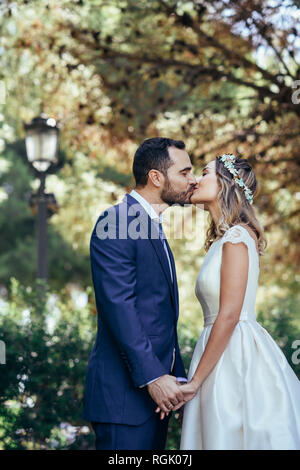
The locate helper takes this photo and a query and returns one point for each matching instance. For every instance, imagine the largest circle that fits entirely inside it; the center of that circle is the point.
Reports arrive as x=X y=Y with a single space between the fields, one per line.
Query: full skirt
x=250 y=400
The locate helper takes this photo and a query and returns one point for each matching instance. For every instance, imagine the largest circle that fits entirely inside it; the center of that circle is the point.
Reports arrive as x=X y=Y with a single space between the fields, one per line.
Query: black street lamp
x=41 y=140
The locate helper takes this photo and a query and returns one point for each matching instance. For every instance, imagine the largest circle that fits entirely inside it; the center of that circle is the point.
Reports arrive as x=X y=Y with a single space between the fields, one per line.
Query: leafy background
x=220 y=75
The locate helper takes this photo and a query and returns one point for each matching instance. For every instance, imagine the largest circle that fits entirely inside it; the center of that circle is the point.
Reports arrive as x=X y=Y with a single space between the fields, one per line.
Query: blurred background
x=102 y=76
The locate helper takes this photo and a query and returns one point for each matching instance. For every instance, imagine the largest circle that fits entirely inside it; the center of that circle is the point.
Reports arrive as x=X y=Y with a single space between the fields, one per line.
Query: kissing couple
x=240 y=391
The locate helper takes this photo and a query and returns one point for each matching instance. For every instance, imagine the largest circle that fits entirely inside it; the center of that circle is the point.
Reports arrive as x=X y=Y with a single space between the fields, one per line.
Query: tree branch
x=110 y=55
x=214 y=42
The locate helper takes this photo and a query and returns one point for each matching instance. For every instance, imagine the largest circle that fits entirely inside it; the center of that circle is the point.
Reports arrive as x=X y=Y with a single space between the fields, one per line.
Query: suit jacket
x=138 y=310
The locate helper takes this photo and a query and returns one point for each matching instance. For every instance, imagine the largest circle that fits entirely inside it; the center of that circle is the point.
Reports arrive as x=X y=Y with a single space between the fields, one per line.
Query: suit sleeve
x=179 y=369
x=114 y=277
x=144 y=385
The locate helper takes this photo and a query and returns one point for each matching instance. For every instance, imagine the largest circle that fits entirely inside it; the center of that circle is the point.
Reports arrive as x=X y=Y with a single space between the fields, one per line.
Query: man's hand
x=166 y=392
x=189 y=390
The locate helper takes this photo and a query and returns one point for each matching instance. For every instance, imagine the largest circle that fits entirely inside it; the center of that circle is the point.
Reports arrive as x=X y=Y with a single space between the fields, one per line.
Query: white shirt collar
x=147 y=206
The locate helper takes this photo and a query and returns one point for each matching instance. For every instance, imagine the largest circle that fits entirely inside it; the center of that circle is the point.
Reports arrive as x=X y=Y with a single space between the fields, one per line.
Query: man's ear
x=156 y=178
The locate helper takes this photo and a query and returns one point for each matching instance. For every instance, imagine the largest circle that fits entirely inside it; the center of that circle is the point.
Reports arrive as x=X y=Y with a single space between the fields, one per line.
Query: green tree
x=219 y=75
x=18 y=252
x=48 y=341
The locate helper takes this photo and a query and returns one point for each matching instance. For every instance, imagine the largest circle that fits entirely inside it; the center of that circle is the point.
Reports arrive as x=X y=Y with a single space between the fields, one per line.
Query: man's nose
x=192 y=179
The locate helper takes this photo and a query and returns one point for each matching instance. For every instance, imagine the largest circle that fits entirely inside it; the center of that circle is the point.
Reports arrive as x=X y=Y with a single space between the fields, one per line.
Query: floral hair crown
x=228 y=159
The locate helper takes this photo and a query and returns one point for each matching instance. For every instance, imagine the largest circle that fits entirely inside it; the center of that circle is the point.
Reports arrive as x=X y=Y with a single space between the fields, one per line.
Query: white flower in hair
x=228 y=159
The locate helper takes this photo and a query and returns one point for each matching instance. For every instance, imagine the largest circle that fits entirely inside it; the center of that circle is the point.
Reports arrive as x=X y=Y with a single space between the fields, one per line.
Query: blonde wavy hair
x=235 y=208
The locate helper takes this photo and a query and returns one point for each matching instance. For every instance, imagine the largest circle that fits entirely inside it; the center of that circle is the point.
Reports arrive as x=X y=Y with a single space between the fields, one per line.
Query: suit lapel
x=158 y=246
x=175 y=286
x=150 y=231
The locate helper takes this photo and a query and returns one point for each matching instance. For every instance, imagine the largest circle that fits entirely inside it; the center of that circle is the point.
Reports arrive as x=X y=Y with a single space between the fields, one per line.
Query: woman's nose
x=198 y=178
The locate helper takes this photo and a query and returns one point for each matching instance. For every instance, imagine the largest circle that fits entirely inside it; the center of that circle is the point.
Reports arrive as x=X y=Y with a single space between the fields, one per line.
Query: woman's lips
x=194 y=191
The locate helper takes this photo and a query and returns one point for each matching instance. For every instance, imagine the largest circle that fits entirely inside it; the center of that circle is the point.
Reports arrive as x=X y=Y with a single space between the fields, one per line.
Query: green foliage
x=280 y=318
x=48 y=341
x=18 y=252
x=216 y=75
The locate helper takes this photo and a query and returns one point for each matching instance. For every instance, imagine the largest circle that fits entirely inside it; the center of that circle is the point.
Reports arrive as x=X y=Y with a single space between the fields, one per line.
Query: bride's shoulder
x=238 y=233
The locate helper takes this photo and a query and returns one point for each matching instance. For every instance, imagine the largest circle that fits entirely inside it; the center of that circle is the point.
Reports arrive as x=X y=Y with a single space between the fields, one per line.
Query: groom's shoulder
x=114 y=212
x=112 y=218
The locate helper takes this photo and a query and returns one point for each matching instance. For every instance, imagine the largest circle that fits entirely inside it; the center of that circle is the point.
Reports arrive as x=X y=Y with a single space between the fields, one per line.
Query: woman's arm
x=233 y=280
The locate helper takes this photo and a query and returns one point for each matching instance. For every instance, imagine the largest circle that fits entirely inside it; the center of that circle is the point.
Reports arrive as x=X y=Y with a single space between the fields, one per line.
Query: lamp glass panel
x=41 y=145
x=32 y=146
x=48 y=145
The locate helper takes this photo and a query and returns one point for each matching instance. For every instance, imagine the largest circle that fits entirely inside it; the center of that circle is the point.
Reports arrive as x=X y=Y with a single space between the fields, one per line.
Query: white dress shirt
x=152 y=213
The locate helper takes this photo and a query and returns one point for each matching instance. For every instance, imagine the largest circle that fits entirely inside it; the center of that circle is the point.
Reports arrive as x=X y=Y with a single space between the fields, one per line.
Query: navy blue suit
x=137 y=306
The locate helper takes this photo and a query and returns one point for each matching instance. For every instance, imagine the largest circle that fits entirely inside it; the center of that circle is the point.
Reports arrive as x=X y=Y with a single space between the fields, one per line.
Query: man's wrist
x=150 y=382
x=181 y=379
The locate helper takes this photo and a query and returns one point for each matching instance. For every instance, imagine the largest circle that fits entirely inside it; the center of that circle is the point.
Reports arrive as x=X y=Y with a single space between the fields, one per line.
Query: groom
x=135 y=364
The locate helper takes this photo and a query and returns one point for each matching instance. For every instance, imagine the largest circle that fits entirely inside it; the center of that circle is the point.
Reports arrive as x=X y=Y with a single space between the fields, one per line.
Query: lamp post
x=41 y=140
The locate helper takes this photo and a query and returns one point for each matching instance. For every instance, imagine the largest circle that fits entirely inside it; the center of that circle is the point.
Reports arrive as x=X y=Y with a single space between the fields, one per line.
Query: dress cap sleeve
x=236 y=234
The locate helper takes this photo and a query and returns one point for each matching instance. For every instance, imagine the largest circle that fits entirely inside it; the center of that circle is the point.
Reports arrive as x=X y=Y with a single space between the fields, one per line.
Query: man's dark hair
x=153 y=154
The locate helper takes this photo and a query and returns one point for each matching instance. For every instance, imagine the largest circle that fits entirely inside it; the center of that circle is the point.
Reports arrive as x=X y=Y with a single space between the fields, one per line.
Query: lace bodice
x=208 y=280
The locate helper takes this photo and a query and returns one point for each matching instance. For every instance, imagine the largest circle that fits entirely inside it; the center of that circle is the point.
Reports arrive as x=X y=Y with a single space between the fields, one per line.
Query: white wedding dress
x=251 y=399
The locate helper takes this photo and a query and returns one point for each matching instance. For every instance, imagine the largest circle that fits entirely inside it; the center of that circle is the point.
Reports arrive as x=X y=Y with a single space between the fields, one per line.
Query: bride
x=242 y=393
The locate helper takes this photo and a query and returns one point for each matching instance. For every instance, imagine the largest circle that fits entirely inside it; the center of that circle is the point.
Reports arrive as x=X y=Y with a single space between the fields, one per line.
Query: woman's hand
x=189 y=390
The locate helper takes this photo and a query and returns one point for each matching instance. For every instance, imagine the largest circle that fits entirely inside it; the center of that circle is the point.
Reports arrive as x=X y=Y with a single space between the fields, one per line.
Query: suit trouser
x=147 y=436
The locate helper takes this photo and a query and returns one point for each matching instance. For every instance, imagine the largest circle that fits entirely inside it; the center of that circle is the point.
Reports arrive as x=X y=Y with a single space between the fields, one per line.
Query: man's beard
x=170 y=196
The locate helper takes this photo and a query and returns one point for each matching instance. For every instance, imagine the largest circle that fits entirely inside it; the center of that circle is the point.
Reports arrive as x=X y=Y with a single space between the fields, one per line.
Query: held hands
x=166 y=392
x=189 y=390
